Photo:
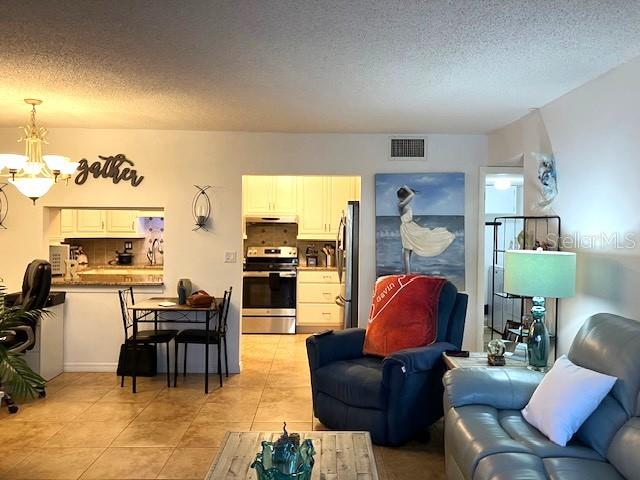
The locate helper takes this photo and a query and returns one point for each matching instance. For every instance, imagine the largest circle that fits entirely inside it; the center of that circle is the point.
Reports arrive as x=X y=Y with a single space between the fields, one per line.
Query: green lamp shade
x=537 y=273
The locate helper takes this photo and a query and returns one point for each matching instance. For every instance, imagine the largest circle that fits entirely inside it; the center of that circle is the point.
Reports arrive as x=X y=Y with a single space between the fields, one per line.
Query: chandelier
x=33 y=173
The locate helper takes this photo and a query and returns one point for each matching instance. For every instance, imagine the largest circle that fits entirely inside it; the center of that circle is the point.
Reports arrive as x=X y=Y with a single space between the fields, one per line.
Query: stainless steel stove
x=269 y=290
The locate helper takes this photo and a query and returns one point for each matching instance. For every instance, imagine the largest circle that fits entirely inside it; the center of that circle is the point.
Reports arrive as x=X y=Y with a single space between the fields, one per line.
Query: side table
x=479 y=359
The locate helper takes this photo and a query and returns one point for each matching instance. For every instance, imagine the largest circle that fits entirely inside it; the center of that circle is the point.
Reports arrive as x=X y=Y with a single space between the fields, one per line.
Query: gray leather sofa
x=486 y=437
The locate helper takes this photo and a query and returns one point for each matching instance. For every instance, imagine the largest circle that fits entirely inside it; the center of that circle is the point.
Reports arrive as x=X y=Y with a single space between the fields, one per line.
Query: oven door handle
x=267 y=274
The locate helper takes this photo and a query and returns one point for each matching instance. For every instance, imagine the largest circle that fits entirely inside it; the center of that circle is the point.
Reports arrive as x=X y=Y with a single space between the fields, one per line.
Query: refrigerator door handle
x=340 y=253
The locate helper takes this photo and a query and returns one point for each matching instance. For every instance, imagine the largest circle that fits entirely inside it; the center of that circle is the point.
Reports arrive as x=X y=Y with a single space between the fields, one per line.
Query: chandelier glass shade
x=33 y=173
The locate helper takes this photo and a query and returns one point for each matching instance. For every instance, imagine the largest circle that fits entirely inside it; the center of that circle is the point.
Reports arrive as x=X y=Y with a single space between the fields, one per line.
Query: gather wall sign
x=116 y=167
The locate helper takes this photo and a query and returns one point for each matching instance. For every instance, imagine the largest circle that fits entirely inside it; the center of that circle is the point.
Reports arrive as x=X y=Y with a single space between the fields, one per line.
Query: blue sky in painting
x=437 y=193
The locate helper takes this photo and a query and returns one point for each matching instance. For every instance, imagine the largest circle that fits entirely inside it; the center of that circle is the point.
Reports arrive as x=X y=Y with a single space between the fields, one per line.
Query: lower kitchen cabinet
x=317 y=308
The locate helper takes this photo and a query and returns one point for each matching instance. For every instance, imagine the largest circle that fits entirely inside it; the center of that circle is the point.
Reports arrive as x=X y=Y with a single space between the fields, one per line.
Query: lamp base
x=537 y=369
x=538 y=344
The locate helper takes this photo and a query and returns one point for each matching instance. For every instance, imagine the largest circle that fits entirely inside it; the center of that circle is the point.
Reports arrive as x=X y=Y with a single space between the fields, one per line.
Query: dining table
x=158 y=310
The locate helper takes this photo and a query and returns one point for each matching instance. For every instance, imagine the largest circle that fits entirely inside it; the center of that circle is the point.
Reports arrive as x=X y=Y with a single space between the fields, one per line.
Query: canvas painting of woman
x=420 y=224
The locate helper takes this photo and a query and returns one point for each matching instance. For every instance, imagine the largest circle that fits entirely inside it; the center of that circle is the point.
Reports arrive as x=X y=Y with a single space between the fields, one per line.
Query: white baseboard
x=112 y=367
x=90 y=367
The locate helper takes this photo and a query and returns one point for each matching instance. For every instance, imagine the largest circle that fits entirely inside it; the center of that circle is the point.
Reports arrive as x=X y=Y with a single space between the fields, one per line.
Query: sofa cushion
x=510 y=466
x=356 y=382
x=519 y=429
x=624 y=451
x=475 y=432
x=608 y=343
x=579 y=469
x=336 y=415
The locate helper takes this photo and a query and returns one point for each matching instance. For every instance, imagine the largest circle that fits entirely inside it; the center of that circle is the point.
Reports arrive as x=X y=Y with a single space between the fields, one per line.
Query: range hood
x=272 y=219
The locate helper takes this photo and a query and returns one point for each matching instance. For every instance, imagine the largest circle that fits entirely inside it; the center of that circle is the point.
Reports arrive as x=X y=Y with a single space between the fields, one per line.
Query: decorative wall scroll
x=114 y=167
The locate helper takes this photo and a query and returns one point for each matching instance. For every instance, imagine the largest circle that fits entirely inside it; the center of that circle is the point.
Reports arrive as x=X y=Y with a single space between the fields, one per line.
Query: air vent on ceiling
x=408 y=148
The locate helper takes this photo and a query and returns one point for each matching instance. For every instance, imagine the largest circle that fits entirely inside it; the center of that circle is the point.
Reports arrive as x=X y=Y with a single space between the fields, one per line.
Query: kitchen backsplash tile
x=100 y=251
x=317 y=246
x=272 y=234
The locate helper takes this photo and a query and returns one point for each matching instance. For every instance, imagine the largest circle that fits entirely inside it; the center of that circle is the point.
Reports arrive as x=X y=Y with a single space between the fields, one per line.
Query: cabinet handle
x=102 y=223
x=133 y=226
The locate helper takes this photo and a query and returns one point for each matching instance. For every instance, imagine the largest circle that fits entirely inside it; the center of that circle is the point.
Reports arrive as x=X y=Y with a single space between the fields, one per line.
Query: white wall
x=172 y=161
x=594 y=132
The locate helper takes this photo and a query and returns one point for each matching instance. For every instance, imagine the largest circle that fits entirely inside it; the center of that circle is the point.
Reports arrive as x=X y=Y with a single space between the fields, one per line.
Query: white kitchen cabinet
x=321 y=201
x=342 y=189
x=90 y=221
x=284 y=195
x=122 y=221
x=67 y=220
x=257 y=194
x=269 y=195
x=311 y=210
x=317 y=308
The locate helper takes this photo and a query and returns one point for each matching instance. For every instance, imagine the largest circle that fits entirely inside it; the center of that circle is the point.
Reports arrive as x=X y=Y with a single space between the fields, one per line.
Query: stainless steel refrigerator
x=347 y=262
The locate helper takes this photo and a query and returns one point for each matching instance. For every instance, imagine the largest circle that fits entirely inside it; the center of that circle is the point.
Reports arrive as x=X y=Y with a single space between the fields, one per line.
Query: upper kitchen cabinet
x=321 y=201
x=312 y=223
x=90 y=223
x=122 y=221
x=267 y=195
x=67 y=221
x=343 y=189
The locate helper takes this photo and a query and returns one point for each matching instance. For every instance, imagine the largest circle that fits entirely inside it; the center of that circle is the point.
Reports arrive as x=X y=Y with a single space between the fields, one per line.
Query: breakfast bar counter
x=110 y=276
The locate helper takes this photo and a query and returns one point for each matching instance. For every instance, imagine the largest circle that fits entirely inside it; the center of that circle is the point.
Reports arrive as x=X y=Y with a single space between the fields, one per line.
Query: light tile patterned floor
x=90 y=428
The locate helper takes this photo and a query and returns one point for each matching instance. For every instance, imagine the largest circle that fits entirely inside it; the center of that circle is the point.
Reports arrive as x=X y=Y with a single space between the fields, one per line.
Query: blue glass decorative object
x=285 y=459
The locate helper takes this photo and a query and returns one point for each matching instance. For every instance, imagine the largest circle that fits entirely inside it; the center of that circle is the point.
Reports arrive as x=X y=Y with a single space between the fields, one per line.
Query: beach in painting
x=449 y=264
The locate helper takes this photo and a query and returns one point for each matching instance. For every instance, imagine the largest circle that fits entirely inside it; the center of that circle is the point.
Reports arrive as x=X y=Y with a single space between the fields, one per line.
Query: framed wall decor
x=420 y=225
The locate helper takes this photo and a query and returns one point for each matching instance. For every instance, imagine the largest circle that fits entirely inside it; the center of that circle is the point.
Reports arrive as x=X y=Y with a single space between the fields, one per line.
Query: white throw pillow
x=565 y=398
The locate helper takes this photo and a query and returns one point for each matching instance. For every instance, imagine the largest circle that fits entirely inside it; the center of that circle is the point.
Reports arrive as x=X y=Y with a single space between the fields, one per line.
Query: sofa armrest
x=501 y=388
x=419 y=359
x=323 y=349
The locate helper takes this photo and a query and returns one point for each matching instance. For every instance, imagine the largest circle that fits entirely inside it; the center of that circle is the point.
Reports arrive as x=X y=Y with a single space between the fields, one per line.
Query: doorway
x=502 y=195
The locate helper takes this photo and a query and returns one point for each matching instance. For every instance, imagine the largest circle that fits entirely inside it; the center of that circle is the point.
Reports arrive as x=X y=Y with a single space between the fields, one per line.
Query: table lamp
x=539 y=274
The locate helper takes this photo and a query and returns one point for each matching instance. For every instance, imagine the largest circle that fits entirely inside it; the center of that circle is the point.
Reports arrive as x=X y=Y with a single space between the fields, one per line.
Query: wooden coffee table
x=479 y=359
x=347 y=455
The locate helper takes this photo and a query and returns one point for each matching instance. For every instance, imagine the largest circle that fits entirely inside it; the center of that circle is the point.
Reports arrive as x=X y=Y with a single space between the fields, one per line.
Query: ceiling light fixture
x=33 y=173
x=502 y=183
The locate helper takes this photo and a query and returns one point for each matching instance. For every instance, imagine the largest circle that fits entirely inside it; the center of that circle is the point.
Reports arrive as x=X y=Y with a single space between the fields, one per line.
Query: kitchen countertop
x=319 y=269
x=115 y=275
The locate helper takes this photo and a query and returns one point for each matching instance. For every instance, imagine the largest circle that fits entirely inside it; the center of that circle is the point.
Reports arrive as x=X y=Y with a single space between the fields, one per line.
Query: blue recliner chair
x=393 y=397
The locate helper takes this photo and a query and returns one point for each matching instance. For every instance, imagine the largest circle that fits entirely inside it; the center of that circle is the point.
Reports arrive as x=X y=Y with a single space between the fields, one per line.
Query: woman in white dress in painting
x=423 y=241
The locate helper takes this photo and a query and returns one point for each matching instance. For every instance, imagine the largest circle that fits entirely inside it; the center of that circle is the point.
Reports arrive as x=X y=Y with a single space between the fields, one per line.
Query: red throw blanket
x=404 y=313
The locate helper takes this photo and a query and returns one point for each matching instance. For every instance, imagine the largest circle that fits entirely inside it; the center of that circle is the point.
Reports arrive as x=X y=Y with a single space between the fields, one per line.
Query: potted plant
x=14 y=371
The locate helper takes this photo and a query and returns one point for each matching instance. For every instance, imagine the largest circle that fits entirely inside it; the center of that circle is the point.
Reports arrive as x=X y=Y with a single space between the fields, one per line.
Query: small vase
x=184 y=290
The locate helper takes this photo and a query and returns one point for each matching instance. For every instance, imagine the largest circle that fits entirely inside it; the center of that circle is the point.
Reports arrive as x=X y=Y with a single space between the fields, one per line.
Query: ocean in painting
x=449 y=264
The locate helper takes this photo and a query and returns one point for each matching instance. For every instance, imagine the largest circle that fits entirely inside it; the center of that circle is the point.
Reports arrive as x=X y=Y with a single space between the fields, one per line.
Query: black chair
x=198 y=336
x=36 y=286
x=143 y=337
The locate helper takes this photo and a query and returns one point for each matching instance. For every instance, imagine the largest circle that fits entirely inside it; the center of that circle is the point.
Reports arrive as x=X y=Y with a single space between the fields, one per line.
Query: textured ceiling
x=464 y=66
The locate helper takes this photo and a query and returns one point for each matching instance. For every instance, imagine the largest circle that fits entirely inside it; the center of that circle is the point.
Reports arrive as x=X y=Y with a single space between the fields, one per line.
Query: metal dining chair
x=217 y=337
x=143 y=337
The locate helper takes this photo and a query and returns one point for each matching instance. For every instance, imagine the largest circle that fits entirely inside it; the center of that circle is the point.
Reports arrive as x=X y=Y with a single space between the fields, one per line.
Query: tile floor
x=90 y=428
